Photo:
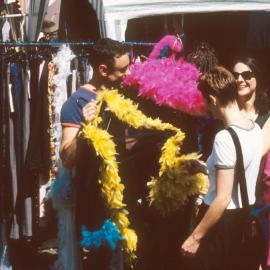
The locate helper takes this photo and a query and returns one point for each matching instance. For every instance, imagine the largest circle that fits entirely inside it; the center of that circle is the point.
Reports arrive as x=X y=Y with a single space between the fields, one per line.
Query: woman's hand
x=190 y=246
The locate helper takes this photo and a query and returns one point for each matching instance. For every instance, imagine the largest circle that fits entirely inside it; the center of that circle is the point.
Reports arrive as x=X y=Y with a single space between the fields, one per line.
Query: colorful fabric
x=108 y=235
x=168 y=192
x=167 y=80
x=51 y=111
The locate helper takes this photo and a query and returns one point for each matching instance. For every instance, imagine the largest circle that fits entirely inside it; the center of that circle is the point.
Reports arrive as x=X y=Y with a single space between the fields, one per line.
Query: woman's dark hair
x=220 y=83
x=262 y=89
x=105 y=50
x=203 y=56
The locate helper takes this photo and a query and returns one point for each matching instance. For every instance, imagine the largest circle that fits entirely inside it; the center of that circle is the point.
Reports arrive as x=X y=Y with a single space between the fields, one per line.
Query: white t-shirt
x=223 y=156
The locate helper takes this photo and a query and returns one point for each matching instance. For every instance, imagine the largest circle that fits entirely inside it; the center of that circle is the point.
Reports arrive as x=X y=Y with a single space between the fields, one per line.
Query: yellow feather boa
x=168 y=192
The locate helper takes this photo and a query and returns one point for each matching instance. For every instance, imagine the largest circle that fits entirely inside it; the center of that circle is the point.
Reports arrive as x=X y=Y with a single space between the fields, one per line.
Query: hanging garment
x=85 y=70
x=5 y=184
x=51 y=115
x=14 y=150
x=76 y=77
x=62 y=63
x=63 y=190
x=4 y=256
x=19 y=131
x=38 y=154
x=27 y=197
x=6 y=31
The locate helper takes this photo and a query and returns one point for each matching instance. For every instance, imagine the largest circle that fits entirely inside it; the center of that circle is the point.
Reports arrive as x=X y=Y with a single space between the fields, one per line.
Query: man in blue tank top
x=110 y=62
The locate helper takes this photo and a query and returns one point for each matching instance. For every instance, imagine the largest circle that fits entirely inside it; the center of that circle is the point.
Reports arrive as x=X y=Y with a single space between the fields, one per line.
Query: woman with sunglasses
x=253 y=101
x=252 y=87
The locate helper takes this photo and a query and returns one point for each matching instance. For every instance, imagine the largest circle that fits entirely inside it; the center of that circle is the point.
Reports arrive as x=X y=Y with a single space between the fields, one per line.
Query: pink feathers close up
x=168 y=81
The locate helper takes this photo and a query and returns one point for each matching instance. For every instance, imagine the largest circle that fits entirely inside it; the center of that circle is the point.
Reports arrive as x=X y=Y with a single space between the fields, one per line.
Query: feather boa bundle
x=62 y=62
x=168 y=81
x=173 y=173
x=164 y=45
x=108 y=235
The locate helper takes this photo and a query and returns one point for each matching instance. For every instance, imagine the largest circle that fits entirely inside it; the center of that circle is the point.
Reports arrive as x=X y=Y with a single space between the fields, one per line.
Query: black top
x=261 y=119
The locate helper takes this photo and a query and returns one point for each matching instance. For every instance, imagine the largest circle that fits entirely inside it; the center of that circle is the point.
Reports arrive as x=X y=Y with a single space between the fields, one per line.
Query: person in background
x=253 y=89
x=204 y=57
x=110 y=62
x=215 y=243
x=253 y=100
x=159 y=236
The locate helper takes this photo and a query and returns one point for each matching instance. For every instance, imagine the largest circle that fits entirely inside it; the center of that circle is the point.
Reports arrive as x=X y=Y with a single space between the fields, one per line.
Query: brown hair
x=203 y=56
x=262 y=84
x=218 y=82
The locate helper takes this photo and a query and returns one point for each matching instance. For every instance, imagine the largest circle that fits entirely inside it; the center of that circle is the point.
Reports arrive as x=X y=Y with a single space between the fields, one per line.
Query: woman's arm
x=224 y=185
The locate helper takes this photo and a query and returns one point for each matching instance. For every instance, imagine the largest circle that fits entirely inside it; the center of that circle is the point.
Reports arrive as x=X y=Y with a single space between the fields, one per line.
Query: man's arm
x=69 y=144
x=68 y=148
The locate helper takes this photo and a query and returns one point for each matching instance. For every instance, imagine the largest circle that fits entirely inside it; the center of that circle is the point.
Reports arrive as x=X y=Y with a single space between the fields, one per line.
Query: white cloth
x=62 y=62
x=223 y=156
x=5 y=31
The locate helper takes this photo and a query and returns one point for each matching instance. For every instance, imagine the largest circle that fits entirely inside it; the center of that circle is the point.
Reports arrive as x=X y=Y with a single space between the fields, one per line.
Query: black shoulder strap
x=261 y=119
x=240 y=168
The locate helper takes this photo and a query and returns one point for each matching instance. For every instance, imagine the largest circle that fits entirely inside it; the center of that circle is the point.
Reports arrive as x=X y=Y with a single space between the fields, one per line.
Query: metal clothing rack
x=84 y=43
x=12 y=16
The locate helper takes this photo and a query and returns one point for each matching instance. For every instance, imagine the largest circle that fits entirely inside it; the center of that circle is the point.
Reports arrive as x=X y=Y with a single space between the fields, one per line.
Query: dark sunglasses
x=246 y=75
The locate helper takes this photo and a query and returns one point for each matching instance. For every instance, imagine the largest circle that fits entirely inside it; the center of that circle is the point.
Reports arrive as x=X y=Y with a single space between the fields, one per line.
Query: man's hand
x=89 y=111
x=195 y=166
x=190 y=246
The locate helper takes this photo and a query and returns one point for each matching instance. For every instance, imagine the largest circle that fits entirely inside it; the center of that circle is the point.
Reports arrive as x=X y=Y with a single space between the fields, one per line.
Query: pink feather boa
x=167 y=81
x=171 y=41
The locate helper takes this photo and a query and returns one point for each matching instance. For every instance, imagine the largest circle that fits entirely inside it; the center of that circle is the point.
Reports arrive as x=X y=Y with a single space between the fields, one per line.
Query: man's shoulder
x=71 y=112
x=83 y=93
x=80 y=98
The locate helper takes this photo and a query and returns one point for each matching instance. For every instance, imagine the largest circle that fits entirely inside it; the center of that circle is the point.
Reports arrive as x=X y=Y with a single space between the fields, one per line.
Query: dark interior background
x=230 y=33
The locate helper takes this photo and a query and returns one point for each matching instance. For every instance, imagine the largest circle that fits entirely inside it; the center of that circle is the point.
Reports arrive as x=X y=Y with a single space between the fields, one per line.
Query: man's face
x=119 y=71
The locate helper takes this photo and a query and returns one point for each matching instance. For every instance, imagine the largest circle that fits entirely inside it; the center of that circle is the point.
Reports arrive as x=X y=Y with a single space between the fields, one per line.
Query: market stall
x=114 y=15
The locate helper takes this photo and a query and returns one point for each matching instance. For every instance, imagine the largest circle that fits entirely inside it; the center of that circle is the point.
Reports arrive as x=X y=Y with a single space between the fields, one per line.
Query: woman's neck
x=231 y=115
x=247 y=107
